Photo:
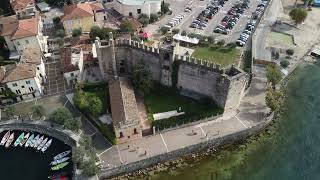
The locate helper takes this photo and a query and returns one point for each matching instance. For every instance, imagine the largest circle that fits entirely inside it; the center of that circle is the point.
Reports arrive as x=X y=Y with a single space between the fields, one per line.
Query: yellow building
x=84 y=16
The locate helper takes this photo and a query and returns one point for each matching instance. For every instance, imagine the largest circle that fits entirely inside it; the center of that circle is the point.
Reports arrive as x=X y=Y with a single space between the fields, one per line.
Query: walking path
x=252 y=111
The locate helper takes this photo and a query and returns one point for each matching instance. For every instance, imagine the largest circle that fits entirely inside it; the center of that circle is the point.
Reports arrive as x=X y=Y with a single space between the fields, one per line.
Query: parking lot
x=178 y=7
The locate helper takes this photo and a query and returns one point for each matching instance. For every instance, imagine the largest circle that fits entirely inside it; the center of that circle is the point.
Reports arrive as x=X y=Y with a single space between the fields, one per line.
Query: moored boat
x=59 y=166
x=38 y=142
x=46 y=146
x=58 y=161
x=19 y=139
x=58 y=176
x=33 y=142
x=61 y=155
x=28 y=143
x=10 y=140
x=24 y=140
x=42 y=144
x=5 y=138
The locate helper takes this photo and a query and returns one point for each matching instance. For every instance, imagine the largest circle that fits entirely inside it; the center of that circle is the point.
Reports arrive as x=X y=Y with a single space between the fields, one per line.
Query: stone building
x=133 y=8
x=124 y=109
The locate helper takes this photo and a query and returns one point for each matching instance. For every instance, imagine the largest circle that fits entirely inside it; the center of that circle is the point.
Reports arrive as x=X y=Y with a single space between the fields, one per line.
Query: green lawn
x=164 y=99
x=220 y=55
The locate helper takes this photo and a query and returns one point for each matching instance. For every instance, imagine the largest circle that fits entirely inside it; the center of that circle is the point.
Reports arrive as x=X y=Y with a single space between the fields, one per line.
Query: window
x=22 y=86
x=135 y=131
x=2 y=89
x=14 y=84
x=38 y=68
x=27 y=42
x=139 y=11
x=130 y=14
x=71 y=74
x=18 y=91
x=30 y=89
x=121 y=134
x=28 y=82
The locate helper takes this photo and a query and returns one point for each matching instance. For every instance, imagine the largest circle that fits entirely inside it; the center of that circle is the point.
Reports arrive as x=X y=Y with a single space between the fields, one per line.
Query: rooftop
x=81 y=10
x=19 y=71
x=21 y=29
x=20 y=4
x=137 y=2
x=124 y=107
x=66 y=60
x=31 y=55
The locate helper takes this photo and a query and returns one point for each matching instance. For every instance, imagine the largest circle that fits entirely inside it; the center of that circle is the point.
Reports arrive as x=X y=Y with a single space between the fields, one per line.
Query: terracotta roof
x=8 y=19
x=124 y=107
x=26 y=28
x=81 y=10
x=20 y=4
x=88 y=58
x=19 y=72
x=135 y=24
x=9 y=29
x=82 y=42
x=31 y=55
x=2 y=72
x=67 y=66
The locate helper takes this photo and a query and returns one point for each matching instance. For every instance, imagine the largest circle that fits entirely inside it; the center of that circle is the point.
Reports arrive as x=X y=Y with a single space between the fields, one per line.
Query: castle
x=193 y=77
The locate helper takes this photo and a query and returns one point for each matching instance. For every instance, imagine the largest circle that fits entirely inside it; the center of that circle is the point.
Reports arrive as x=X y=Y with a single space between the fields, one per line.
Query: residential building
x=133 y=8
x=23 y=8
x=23 y=34
x=124 y=110
x=72 y=64
x=84 y=16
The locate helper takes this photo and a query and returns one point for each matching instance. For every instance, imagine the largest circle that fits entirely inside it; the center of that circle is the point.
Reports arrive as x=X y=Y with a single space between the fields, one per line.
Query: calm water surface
x=19 y=163
x=291 y=149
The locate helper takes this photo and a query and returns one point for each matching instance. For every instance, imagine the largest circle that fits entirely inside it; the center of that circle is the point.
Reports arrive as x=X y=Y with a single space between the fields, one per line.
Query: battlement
x=136 y=44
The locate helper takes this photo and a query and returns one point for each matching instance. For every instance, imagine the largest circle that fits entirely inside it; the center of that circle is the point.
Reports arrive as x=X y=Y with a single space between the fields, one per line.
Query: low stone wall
x=211 y=143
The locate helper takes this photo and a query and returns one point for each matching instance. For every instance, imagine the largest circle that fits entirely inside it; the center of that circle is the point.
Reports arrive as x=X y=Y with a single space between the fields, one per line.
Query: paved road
x=252 y=111
x=259 y=43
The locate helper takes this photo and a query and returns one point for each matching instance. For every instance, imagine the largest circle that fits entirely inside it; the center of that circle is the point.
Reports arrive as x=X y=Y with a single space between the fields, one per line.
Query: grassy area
x=281 y=38
x=164 y=99
x=220 y=55
x=100 y=90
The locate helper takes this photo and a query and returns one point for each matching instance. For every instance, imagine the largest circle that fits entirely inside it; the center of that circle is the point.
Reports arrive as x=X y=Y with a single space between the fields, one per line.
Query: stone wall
x=211 y=143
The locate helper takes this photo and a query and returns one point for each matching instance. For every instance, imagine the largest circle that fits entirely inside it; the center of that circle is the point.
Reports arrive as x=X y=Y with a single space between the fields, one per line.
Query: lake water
x=289 y=150
x=19 y=163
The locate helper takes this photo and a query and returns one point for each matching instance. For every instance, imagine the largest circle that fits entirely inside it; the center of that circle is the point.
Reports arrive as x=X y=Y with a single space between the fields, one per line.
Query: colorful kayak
x=38 y=142
x=42 y=144
x=28 y=143
x=59 y=166
x=10 y=140
x=58 y=161
x=33 y=142
x=19 y=139
x=25 y=139
x=61 y=155
x=46 y=146
x=5 y=138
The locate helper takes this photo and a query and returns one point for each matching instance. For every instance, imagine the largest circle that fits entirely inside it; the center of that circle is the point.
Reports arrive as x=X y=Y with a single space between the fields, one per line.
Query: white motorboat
x=61 y=155
x=28 y=143
x=10 y=140
x=58 y=161
x=46 y=146
x=33 y=142
x=5 y=138
x=42 y=144
x=38 y=142
x=25 y=139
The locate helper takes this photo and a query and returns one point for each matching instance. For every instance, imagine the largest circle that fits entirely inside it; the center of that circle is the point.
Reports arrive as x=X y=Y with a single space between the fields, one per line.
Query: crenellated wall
x=224 y=85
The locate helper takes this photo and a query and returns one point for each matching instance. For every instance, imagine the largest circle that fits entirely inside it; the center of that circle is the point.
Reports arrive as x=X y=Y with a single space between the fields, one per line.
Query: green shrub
x=284 y=63
x=290 y=52
x=164 y=30
x=183 y=33
x=221 y=43
x=175 y=31
x=108 y=133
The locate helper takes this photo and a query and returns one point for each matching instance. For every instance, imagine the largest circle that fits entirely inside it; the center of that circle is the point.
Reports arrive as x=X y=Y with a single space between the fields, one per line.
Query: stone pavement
x=251 y=112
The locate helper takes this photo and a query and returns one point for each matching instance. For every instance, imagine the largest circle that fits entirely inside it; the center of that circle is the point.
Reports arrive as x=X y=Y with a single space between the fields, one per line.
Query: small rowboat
x=10 y=140
x=19 y=139
x=25 y=139
x=5 y=138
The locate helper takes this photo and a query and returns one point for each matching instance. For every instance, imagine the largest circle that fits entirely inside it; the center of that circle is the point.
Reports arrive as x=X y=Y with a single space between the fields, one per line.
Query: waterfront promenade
x=252 y=112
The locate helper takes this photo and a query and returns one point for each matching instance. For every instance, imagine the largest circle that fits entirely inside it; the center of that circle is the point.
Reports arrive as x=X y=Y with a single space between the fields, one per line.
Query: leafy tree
x=274 y=74
x=90 y=168
x=211 y=39
x=10 y=111
x=175 y=31
x=273 y=99
x=102 y=33
x=183 y=33
x=76 y=32
x=290 y=52
x=60 y=115
x=153 y=18
x=96 y=106
x=164 y=30
x=38 y=110
x=221 y=42
x=85 y=141
x=142 y=79
x=143 y=19
x=80 y=100
x=298 y=15
x=126 y=26
x=59 y=3
x=56 y=20
x=73 y=124
x=164 y=7
x=284 y=63
x=78 y=155
x=60 y=33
